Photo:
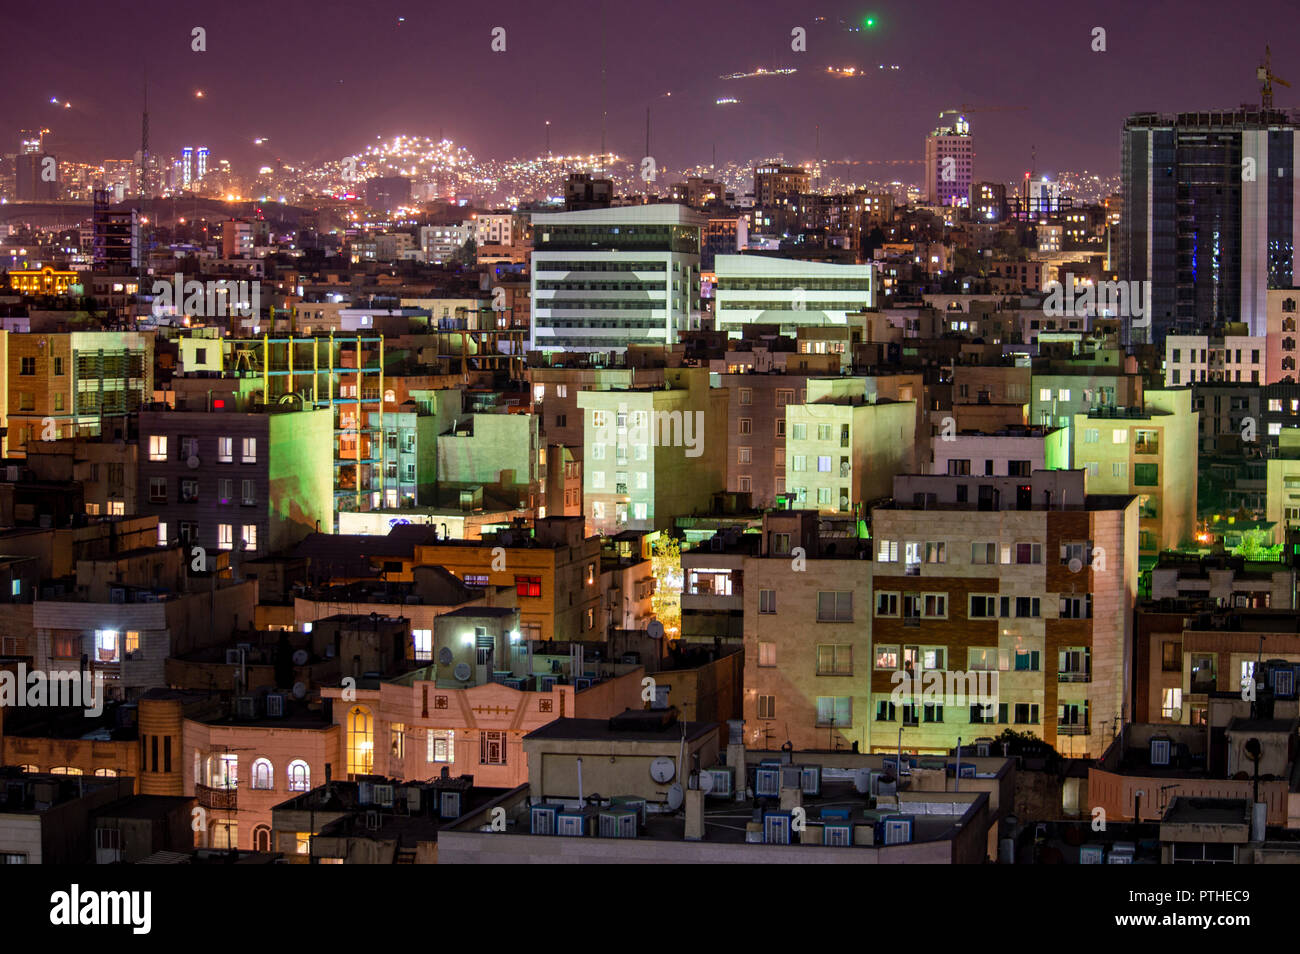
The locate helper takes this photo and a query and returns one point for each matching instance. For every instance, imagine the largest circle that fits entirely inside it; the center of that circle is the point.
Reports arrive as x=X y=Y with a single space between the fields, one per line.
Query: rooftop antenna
x=604 y=103
x=817 y=154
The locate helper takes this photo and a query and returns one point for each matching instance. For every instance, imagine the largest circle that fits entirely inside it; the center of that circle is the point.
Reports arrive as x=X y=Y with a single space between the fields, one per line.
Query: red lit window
x=528 y=585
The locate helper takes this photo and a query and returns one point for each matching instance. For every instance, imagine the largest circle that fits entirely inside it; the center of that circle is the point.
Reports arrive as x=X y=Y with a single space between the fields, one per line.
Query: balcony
x=1071 y=729
x=217 y=799
x=1074 y=677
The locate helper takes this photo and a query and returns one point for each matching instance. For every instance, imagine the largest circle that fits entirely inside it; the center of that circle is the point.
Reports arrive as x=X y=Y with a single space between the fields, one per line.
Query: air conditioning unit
x=776 y=828
x=810 y=779
x=117 y=594
x=571 y=824
x=541 y=819
x=618 y=824
x=582 y=682
x=837 y=834
x=546 y=683
x=384 y=795
x=722 y=781
x=898 y=831
x=1159 y=751
x=246 y=707
x=1284 y=682
x=767 y=781
x=413 y=799
x=365 y=793
x=449 y=805
x=792 y=776
x=633 y=803
x=275 y=705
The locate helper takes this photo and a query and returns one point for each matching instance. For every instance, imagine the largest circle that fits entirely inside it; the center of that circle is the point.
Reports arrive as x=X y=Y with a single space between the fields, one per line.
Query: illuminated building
x=764 y=289
x=76 y=383
x=187 y=167
x=1206 y=214
x=949 y=163
x=41 y=281
x=652 y=453
x=774 y=183
x=1144 y=452
x=249 y=483
x=603 y=279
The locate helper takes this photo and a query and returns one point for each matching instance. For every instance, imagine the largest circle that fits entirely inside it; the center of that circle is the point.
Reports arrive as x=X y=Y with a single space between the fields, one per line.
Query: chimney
x=736 y=755
x=694 y=814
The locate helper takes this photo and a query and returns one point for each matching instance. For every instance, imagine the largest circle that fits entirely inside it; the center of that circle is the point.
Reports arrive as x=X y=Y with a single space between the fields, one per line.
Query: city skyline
x=546 y=85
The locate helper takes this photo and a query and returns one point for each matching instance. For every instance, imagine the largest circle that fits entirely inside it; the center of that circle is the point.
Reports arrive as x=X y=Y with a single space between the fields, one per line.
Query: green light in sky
x=869 y=22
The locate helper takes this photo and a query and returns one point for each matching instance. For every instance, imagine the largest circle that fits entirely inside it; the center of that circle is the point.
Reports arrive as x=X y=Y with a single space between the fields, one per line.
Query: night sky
x=320 y=80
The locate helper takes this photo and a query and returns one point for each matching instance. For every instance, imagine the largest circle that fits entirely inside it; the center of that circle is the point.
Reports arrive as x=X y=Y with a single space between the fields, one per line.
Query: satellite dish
x=192 y=462
x=462 y=672
x=299 y=690
x=663 y=769
x=300 y=657
x=445 y=655
x=862 y=781
x=676 y=797
x=1075 y=564
x=705 y=782
x=655 y=630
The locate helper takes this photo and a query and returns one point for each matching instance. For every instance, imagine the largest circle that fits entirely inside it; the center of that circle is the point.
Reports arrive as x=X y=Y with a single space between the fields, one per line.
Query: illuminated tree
x=666 y=565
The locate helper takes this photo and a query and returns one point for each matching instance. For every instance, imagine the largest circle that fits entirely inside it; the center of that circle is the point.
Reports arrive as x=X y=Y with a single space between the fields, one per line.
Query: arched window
x=299 y=776
x=263 y=775
x=1288 y=363
x=361 y=741
x=29 y=768
x=66 y=770
x=106 y=773
x=262 y=838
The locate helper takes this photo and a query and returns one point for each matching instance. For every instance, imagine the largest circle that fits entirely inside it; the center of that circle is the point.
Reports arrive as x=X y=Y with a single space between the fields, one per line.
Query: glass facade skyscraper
x=1210 y=217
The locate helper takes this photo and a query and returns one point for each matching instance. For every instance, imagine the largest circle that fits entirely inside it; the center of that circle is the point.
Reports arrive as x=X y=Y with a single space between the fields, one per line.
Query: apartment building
x=1282 y=492
x=1007 y=453
x=756 y=432
x=842 y=451
x=1192 y=359
x=652 y=454
x=1028 y=578
x=603 y=279
x=469 y=710
x=555 y=571
x=75 y=383
x=249 y=482
x=789 y=293
x=1280 y=352
x=1145 y=452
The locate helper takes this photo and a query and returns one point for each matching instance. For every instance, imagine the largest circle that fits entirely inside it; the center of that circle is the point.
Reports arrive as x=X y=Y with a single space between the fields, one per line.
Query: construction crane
x=971 y=108
x=1264 y=73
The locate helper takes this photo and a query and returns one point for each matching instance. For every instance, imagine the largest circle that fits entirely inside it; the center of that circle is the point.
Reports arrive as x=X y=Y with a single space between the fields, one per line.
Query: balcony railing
x=1071 y=729
x=1074 y=677
x=217 y=799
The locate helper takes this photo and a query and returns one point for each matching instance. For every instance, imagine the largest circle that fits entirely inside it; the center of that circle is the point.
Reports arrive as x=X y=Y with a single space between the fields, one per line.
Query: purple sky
x=320 y=79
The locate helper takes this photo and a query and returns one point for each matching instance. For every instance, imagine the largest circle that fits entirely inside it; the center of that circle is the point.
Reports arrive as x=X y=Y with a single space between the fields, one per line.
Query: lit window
x=225 y=449
x=158 y=447
x=226 y=536
x=422 y=644
x=250 y=537
x=299 y=776
x=250 y=450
